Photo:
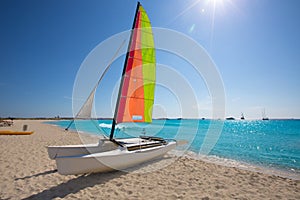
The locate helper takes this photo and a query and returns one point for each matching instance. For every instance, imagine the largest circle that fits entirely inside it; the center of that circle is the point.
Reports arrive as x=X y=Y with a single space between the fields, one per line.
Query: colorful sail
x=136 y=96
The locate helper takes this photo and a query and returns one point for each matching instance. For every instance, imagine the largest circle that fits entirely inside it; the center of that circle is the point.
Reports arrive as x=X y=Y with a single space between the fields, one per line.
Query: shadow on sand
x=89 y=180
x=36 y=175
x=75 y=185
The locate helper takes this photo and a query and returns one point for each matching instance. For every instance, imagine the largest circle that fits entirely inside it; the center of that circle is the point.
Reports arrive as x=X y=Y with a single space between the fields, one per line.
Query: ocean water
x=273 y=145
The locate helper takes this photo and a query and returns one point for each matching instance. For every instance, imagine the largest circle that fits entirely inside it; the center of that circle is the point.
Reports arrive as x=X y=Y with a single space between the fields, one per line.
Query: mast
x=123 y=75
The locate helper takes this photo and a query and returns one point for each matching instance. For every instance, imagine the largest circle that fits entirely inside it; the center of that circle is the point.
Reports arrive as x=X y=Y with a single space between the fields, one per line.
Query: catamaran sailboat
x=134 y=104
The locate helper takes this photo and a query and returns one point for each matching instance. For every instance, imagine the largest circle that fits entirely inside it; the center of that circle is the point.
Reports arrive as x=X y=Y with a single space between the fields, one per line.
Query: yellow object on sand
x=9 y=132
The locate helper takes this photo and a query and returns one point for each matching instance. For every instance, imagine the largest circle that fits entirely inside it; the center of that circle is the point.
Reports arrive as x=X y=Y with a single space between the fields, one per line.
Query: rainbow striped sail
x=136 y=95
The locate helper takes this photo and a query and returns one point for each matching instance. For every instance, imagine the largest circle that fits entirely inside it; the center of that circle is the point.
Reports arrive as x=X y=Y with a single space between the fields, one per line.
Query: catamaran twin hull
x=117 y=159
x=72 y=150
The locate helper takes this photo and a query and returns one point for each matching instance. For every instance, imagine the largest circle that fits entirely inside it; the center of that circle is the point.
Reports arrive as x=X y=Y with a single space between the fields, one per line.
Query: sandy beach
x=28 y=173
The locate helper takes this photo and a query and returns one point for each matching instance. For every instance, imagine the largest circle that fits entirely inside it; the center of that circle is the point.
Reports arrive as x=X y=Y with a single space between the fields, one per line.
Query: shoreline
x=27 y=172
x=214 y=159
x=226 y=162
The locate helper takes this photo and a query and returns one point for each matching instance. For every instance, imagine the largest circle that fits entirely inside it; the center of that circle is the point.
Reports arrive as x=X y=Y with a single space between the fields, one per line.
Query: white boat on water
x=134 y=104
x=264 y=116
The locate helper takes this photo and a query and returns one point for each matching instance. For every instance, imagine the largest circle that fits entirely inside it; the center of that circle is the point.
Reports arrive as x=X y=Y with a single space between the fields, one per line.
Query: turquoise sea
x=273 y=145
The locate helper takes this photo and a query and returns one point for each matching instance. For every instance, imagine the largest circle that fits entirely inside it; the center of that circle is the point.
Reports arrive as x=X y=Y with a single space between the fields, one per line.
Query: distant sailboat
x=264 y=116
x=134 y=104
x=242 y=116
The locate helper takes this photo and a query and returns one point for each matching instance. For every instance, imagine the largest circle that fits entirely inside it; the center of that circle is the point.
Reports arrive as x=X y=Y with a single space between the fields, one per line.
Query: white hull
x=71 y=150
x=117 y=159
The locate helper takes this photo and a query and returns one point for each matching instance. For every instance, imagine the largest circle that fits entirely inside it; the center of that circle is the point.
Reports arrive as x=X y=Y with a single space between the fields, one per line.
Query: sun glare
x=209 y=8
x=217 y=1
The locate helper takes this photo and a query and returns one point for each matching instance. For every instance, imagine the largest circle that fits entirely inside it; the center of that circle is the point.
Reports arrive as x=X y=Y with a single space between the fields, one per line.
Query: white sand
x=27 y=172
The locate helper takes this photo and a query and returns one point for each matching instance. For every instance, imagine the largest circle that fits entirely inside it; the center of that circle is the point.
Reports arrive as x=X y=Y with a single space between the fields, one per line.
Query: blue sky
x=254 y=43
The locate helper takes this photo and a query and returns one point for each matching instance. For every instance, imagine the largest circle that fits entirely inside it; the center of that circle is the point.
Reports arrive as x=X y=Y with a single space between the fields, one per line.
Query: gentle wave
x=291 y=174
x=118 y=126
x=103 y=125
